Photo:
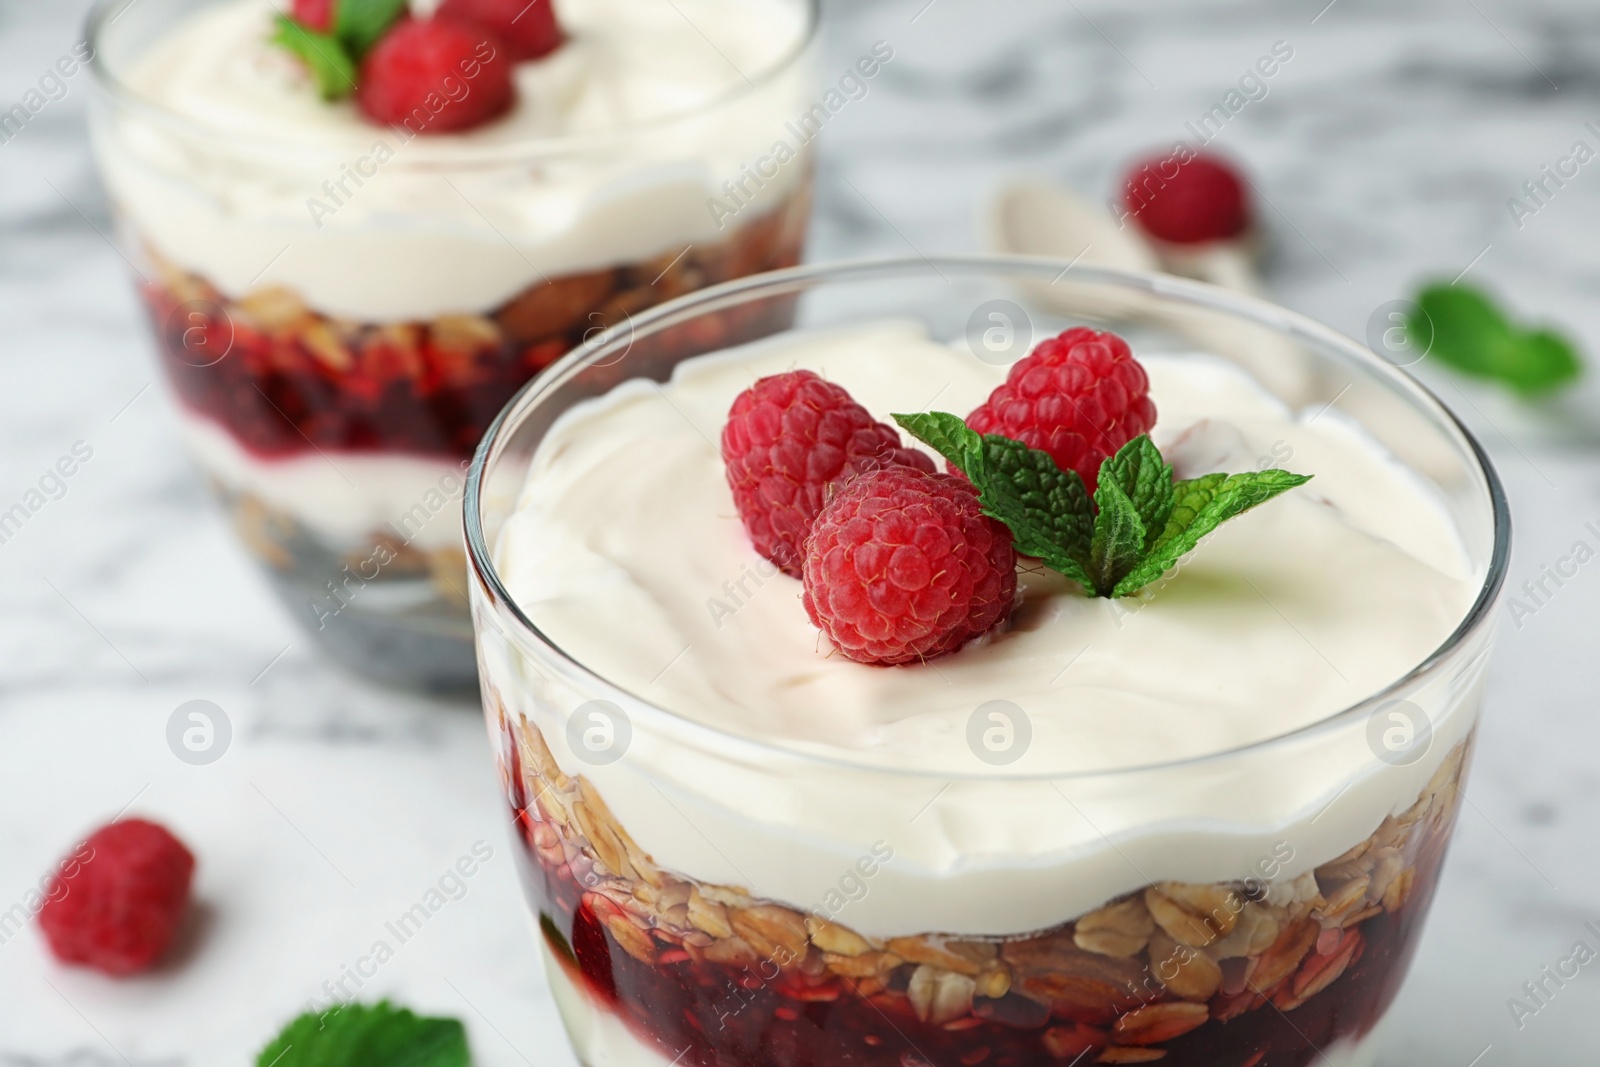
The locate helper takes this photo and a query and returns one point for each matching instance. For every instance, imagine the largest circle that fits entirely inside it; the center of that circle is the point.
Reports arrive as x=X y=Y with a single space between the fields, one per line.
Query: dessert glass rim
x=604 y=347
x=446 y=149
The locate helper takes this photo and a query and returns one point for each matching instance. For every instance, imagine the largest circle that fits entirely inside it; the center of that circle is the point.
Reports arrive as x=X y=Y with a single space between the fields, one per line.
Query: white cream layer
x=418 y=237
x=345 y=498
x=1273 y=625
x=625 y=539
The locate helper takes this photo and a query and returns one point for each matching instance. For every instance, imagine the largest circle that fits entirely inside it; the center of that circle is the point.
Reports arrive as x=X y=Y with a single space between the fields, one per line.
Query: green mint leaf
x=360 y=23
x=1464 y=329
x=1139 y=524
x=1549 y=362
x=323 y=55
x=1046 y=508
x=1146 y=480
x=1189 y=498
x=1200 y=505
x=1119 y=536
x=358 y=1035
x=947 y=435
x=1048 y=511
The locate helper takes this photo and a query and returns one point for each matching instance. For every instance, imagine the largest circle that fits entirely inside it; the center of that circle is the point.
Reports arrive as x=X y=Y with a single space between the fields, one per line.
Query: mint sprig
x=1463 y=328
x=1117 y=544
x=1047 y=509
x=333 y=58
x=360 y=23
x=359 y=1035
x=1200 y=505
x=1139 y=525
x=323 y=54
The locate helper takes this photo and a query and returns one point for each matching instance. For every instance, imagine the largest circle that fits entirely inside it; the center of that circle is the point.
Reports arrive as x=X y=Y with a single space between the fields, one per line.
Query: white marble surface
x=1388 y=147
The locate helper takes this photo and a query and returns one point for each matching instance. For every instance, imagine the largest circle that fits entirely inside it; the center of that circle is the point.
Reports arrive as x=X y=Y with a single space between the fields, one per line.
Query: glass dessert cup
x=1274 y=942
x=333 y=414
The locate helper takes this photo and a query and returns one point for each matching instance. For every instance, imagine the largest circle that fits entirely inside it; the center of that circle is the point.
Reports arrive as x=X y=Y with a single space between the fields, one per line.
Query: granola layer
x=1183 y=973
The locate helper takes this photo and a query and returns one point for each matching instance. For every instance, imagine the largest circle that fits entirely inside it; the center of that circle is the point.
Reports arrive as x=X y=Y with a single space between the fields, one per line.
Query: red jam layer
x=285 y=379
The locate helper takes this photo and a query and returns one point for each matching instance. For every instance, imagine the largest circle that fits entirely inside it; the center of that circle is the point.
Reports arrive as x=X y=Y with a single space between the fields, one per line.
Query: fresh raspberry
x=436 y=76
x=529 y=29
x=902 y=565
x=314 y=14
x=788 y=439
x=116 y=902
x=1187 y=203
x=1080 y=397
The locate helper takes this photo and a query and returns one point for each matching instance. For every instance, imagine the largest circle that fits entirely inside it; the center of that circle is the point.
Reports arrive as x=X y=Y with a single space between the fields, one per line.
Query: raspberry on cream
x=1080 y=397
x=902 y=566
x=790 y=439
x=418 y=58
x=529 y=27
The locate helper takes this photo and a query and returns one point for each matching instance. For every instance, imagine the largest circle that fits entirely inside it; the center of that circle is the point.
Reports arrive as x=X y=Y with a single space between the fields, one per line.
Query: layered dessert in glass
x=1196 y=821
x=342 y=304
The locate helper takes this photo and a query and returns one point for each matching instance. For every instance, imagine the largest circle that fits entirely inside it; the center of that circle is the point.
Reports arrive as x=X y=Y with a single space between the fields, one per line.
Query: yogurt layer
x=456 y=223
x=343 y=498
x=625 y=551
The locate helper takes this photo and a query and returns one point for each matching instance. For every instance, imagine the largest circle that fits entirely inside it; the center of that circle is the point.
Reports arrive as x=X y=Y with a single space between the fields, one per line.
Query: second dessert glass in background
x=341 y=308
x=1256 y=906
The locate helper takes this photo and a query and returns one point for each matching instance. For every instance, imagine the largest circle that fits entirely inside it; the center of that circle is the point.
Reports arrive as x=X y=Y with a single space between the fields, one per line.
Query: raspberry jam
x=285 y=379
x=735 y=986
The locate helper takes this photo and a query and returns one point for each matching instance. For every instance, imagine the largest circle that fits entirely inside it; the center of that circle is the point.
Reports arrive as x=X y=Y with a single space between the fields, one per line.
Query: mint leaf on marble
x=359 y=1035
x=1468 y=332
x=323 y=54
x=1139 y=524
x=360 y=23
